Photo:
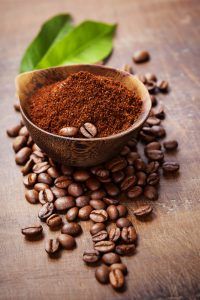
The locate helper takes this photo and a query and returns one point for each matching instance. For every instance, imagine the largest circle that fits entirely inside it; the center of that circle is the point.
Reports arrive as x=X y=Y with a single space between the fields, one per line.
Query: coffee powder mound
x=84 y=97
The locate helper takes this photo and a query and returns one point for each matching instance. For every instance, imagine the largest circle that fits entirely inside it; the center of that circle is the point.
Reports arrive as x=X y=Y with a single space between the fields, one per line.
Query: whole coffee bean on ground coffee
x=82 y=98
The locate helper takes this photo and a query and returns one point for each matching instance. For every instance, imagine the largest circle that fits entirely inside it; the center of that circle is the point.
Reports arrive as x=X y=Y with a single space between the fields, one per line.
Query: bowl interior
x=27 y=83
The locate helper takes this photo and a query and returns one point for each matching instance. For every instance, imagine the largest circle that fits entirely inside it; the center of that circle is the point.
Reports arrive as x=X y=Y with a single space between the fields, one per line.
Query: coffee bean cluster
x=95 y=193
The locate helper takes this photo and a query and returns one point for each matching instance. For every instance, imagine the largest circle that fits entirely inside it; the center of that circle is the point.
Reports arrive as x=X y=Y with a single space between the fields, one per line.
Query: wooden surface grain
x=167 y=263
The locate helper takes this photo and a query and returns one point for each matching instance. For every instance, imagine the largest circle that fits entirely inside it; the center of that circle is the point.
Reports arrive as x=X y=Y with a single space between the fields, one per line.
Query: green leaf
x=51 y=33
x=89 y=42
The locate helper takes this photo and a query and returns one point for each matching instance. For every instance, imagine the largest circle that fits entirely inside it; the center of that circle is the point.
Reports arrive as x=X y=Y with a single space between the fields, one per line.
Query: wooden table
x=167 y=263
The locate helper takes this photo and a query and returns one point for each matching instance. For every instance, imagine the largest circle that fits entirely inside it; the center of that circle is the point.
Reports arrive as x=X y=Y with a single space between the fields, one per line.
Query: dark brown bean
x=93 y=184
x=71 y=228
x=41 y=167
x=53 y=172
x=30 y=179
x=146 y=138
x=27 y=168
x=46 y=210
x=98 y=194
x=97 y=227
x=97 y=204
x=123 y=222
x=84 y=212
x=30 y=142
x=152 y=146
x=16 y=106
x=141 y=178
x=153 y=179
x=68 y=131
x=116 y=164
x=152 y=167
x=75 y=189
x=24 y=131
x=37 y=157
x=129 y=235
x=31 y=196
x=158 y=131
x=100 y=236
x=32 y=230
x=150 y=77
x=64 y=203
x=52 y=246
x=127 y=68
x=153 y=100
x=122 y=210
x=119 y=266
x=67 y=241
x=153 y=121
x=72 y=214
x=125 y=151
x=88 y=130
x=143 y=210
x=110 y=201
x=128 y=182
x=114 y=234
x=155 y=155
x=82 y=201
x=40 y=186
x=112 y=212
x=45 y=178
x=132 y=156
x=158 y=111
x=54 y=221
x=125 y=249
x=62 y=182
x=102 y=274
x=141 y=56
x=150 y=192
x=81 y=175
x=91 y=256
x=163 y=86
x=13 y=132
x=58 y=192
x=151 y=86
x=111 y=258
x=104 y=246
x=135 y=192
x=116 y=278
x=170 y=145
x=130 y=170
x=170 y=167
x=22 y=155
x=99 y=216
x=19 y=142
x=118 y=176
x=140 y=164
x=111 y=189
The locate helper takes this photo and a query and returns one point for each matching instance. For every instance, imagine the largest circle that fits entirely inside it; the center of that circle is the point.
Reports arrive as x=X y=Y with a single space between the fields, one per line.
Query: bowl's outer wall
x=78 y=152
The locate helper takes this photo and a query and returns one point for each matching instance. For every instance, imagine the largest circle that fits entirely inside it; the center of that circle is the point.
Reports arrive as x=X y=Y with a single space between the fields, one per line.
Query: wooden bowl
x=79 y=151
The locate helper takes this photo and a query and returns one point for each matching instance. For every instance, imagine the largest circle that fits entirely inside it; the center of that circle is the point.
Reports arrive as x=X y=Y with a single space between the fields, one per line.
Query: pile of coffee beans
x=96 y=193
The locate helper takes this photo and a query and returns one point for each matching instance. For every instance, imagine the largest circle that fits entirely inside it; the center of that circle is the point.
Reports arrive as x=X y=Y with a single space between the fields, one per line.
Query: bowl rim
x=141 y=119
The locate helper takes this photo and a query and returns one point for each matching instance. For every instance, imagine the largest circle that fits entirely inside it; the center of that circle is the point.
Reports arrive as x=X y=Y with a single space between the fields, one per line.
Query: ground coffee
x=84 y=97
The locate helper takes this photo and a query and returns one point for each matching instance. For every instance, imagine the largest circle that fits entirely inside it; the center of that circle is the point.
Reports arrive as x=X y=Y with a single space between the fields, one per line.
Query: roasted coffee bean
x=152 y=146
x=58 y=193
x=35 y=147
x=125 y=249
x=27 y=168
x=97 y=227
x=129 y=235
x=153 y=179
x=24 y=131
x=153 y=100
x=104 y=246
x=82 y=201
x=67 y=241
x=84 y=212
x=135 y=192
x=116 y=278
x=54 y=221
x=32 y=231
x=97 y=204
x=170 y=167
x=100 y=236
x=52 y=246
x=88 y=130
x=13 y=132
x=131 y=158
x=110 y=201
x=31 y=196
x=75 y=189
x=45 y=196
x=150 y=77
x=53 y=172
x=141 y=56
x=132 y=143
x=71 y=228
x=72 y=214
x=118 y=176
x=111 y=258
x=62 y=182
x=163 y=86
x=125 y=151
x=16 y=106
x=22 y=155
x=41 y=167
x=123 y=222
x=102 y=274
x=99 y=216
x=30 y=142
x=40 y=186
x=143 y=210
x=81 y=175
x=151 y=86
x=119 y=266
x=68 y=131
x=153 y=121
x=45 y=178
x=64 y=203
x=114 y=234
x=158 y=111
x=91 y=256
x=116 y=164
x=19 y=142
x=30 y=179
x=140 y=164
x=155 y=155
x=150 y=192
x=128 y=182
x=141 y=77
x=141 y=178
x=102 y=173
x=98 y=194
x=122 y=210
x=152 y=167
x=146 y=138
x=38 y=157
x=111 y=189
x=158 y=131
x=46 y=210
x=112 y=212
x=170 y=145
x=93 y=184
x=67 y=170
x=127 y=68
x=129 y=171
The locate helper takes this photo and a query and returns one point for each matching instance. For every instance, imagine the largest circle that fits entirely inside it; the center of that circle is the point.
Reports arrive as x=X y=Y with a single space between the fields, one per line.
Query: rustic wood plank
x=167 y=264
